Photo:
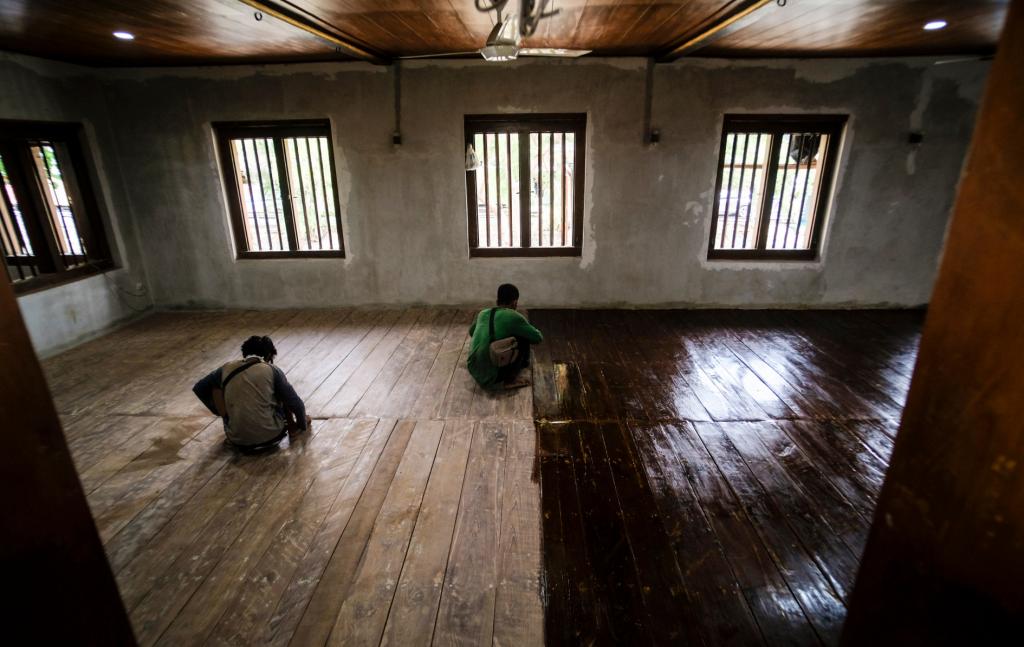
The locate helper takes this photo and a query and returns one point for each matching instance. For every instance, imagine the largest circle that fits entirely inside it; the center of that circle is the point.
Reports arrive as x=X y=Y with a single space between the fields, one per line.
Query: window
x=524 y=196
x=773 y=182
x=50 y=230
x=280 y=184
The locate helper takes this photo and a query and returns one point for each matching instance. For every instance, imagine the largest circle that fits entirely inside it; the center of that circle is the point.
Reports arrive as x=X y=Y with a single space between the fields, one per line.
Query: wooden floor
x=710 y=477
x=707 y=477
x=408 y=516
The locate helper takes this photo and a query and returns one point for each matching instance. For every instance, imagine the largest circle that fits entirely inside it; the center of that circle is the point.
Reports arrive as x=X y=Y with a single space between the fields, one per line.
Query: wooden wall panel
x=945 y=560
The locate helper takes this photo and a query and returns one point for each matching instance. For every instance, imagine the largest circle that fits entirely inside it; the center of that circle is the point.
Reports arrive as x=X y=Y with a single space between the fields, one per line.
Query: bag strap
x=232 y=374
x=491 y=325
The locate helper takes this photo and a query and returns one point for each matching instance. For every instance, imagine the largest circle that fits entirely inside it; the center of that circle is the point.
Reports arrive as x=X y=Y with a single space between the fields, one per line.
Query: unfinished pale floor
x=408 y=516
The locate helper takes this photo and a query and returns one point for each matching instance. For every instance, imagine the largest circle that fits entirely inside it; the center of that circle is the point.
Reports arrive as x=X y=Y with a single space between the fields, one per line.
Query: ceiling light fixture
x=124 y=35
x=934 y=24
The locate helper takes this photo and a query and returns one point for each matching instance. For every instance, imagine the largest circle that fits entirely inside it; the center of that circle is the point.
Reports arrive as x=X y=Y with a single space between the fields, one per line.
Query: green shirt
x=507 y=323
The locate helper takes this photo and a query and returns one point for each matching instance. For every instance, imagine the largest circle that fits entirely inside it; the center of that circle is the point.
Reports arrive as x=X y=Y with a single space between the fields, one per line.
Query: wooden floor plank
x=421 y=339
x=779 y=615
x=518 y=608
x=249 y=619
x=312 y=566
x=337 y=577
x=410 y=620
x=466 y=611
x=322 y=397
x=343 y=402
x=364 y=612
x=170 y=592
x=119 y=499
x=708 y=576
x=219 y=587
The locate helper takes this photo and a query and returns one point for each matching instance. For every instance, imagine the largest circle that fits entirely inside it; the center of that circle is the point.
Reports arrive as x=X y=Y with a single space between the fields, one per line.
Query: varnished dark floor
x=709 y=477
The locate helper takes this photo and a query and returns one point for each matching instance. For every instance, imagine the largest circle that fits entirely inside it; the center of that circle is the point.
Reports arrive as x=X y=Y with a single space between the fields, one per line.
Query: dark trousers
x=522 y=360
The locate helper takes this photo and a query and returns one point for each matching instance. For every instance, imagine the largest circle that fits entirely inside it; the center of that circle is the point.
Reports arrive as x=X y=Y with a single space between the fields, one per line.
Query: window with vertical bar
x=774 y=176
x=281 y=190
x=524 y=193
x=50 y=230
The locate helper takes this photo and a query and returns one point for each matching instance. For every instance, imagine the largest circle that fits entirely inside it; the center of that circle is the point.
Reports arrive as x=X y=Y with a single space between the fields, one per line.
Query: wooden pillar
x=58 y=584
x=944 y=563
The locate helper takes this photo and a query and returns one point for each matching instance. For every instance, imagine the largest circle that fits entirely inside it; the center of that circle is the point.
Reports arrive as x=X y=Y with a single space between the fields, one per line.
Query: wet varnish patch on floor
x=708 y=477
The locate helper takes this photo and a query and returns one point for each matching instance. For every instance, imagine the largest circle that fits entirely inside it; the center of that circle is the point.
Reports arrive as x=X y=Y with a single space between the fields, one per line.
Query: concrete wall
x=647 y=210
x=67 y=314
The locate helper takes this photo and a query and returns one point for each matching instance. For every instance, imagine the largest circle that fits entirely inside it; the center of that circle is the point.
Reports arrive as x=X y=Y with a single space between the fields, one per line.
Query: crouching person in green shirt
x=506 y=323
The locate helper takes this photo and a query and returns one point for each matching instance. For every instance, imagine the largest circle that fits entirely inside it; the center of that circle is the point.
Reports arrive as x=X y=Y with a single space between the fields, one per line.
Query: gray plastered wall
x=647 y=209
x=62 y=316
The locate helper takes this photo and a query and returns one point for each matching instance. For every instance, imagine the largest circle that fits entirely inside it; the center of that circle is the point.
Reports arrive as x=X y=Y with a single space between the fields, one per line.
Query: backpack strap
x=232 y=374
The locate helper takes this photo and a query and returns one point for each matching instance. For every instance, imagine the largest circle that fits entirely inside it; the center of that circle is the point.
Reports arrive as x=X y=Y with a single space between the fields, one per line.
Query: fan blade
x=475 y=52
x=553 y=51
x=966 y=59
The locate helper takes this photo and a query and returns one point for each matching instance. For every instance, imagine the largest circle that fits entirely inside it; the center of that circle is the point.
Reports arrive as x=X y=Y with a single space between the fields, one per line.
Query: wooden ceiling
x=227 y=31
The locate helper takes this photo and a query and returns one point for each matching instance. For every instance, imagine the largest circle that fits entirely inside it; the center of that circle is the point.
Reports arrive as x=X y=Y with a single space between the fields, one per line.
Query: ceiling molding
x=289 y=15
x=720 y=28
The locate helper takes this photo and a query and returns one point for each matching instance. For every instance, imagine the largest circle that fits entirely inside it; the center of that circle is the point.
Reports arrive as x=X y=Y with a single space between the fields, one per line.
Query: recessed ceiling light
x=935 y=24
x=124 y=35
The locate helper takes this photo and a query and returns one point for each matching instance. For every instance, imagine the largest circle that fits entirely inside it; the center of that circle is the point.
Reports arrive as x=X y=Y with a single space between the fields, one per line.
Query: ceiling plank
x=217 y=32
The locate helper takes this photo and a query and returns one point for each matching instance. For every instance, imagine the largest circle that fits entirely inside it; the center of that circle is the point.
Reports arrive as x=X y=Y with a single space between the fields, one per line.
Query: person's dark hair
x=507 y=293
x=260 y=347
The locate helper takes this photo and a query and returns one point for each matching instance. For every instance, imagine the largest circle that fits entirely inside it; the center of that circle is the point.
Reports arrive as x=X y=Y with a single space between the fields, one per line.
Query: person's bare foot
x=517 y=383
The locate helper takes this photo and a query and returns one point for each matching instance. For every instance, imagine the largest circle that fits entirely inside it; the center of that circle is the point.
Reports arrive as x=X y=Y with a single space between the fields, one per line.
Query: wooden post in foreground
x=944 y=562
x=58 y=583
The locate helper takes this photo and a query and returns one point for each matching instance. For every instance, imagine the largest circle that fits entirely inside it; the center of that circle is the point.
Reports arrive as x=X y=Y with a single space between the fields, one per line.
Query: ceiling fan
x=505 y=40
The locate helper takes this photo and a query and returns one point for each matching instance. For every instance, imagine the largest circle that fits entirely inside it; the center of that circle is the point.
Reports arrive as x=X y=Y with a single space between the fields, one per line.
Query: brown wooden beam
x=944 y=563
x=725 y=25
x=317 y=27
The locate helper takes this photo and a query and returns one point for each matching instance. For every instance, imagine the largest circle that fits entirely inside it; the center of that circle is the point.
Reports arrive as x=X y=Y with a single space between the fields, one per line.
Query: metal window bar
x=570 y=185
x=313 y=192
x=739 y=190
x=58 y=205
x=802 y=240
x=482 y=208
x=295 y=178
x=263 y=195
x=727 y=183
x=551 y=188
x=11 y=247
x=540 y=190
x=564 y=187
x=508 y=174
x=255 y=173
x=502 y=183
x=323 y=213
x=244 y=179
x=17 y=247
x=487 y=187
x=752 y=205
x=498 y=190
x=271 y=171
x=780 y=188
x=801 y=139
x=327 y=189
